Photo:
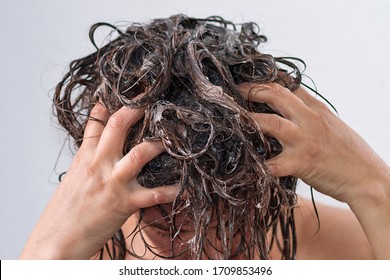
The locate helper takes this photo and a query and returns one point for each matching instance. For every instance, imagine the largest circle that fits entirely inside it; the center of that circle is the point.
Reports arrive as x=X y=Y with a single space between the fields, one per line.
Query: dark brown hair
x=189 y=70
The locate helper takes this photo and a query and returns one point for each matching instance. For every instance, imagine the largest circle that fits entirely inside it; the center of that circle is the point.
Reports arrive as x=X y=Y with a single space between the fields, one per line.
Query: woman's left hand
x=320 y=149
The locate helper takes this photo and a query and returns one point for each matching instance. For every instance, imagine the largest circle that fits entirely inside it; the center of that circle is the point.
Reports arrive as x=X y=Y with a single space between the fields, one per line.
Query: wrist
x=371 y=193
x=49 y=249
x=38 y=249
x=371 y=206
x=50 y=241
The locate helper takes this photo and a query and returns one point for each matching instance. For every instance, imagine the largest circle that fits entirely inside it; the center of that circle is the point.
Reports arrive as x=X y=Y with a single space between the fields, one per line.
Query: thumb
x=150 y=197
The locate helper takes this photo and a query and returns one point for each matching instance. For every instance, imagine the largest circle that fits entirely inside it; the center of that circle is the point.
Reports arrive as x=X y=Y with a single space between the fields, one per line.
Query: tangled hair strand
x=185 y=73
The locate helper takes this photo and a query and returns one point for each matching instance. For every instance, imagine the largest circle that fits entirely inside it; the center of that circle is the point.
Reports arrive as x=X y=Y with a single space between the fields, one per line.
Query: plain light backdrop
x=345 y=45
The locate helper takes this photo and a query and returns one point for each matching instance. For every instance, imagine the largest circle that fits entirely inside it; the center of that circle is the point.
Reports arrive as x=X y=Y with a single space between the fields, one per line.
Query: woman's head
x=186 y=72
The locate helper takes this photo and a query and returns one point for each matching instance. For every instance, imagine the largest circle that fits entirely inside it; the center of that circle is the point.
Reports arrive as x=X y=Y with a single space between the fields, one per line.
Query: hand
x=99 y=192
x=325 y=153
x=318 y=147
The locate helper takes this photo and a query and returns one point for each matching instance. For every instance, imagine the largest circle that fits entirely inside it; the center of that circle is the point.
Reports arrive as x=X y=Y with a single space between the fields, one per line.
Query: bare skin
x=328 y=155
x=100 y=194
x=340 y=236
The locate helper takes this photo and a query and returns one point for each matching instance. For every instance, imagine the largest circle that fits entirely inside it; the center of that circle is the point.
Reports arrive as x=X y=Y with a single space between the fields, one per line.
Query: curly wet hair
x=188 y=70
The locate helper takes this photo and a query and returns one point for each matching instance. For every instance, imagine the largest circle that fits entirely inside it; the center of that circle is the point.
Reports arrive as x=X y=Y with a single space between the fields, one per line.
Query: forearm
x=62 y=234
x=371 y=205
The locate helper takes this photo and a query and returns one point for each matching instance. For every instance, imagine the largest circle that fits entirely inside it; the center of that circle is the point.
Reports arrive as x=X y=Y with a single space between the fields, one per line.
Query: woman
x=176 y=124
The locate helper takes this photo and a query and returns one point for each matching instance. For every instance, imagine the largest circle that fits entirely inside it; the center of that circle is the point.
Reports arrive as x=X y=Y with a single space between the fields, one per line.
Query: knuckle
x=97 y=111
x=136 y=155
x=115 y=122
x=278 y=123
x=324 y=108
x=253 y=91
x=277 y=94
x=322 y=122
x=78 y=157
x=158 y=197
x=274 y=123
x=278 y=168
x=82 y=157
x=281 y=127
x=278 y=90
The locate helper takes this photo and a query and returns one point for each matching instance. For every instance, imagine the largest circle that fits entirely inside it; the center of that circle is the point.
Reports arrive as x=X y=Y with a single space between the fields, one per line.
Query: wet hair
x=189 y=70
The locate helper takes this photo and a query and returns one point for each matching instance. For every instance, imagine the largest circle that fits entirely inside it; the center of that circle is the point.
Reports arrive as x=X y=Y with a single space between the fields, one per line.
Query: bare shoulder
x=337 y=235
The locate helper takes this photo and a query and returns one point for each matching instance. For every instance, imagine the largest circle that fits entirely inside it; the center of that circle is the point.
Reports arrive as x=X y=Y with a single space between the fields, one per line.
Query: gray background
x=344 y=43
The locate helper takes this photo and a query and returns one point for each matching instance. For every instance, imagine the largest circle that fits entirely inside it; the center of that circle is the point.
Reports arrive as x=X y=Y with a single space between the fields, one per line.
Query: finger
x=115 y=133
x=95 y=125
x=132 y=163
x=145 y=197
x=281 y=166
x=310 y=100
x=276 y=126
x=279 y=98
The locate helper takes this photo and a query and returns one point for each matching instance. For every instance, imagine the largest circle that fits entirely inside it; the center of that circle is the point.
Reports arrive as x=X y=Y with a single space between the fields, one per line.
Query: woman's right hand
x=99 y=192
